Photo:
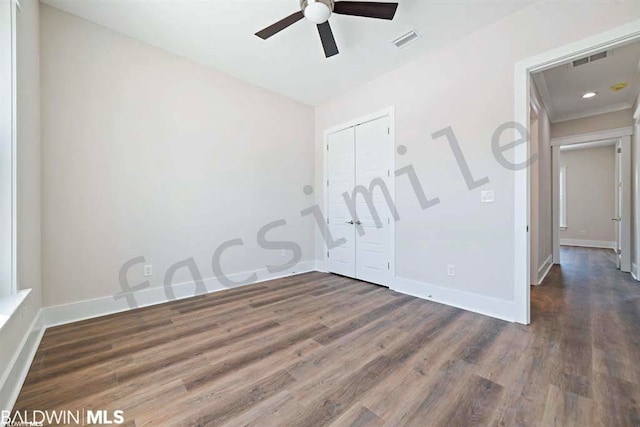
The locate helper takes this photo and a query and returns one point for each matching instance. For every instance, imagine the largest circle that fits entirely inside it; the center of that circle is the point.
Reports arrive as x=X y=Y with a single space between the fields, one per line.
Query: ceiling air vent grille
x=406 y=39
x=588 y=59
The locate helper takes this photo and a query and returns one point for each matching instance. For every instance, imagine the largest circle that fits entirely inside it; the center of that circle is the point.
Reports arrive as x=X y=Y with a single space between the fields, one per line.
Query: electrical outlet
x=148 y=270
x=451 y=270
x=488 y=196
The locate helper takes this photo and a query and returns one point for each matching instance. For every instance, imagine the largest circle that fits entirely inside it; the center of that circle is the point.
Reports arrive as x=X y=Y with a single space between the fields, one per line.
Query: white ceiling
x=561 y=88
x=220 y=34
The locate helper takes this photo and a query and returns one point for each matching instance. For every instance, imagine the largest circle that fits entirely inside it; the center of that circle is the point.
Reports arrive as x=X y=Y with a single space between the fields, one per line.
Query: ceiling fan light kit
x=319 y=12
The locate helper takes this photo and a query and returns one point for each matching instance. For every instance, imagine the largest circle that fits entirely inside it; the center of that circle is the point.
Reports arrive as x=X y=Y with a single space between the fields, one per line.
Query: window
x=563 y=197
x=7 y=148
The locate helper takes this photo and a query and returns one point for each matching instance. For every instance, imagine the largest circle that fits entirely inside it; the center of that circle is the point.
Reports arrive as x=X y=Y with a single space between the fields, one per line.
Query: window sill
x=9 y=306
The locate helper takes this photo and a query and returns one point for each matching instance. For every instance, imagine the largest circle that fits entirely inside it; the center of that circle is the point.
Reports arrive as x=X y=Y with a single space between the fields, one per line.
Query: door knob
x=616 y=219
x=358 y=223
x=350 y=222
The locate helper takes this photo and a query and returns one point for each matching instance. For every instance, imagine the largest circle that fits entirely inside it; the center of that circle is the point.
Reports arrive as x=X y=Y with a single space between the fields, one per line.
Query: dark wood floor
x=319 y=349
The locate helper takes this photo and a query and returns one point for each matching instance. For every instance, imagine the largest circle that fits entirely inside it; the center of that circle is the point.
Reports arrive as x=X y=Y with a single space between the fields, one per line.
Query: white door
x=359 y=165
x=618 y=208
x=623 y=203
x=374 y=231
x=341 y=179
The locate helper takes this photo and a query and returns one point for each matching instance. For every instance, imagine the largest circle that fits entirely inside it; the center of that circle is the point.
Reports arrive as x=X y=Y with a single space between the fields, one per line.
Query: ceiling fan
x=319 y=11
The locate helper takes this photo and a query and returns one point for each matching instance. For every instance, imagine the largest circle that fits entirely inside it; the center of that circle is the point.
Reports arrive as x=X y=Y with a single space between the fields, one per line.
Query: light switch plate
x=488 y=196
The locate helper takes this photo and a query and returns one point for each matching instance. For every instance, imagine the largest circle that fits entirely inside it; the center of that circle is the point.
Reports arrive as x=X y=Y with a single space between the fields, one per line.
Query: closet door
x=373 y=161
x=341 y=179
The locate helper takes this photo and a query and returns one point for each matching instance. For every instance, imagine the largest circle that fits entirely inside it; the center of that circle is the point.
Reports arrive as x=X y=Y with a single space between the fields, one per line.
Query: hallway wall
x=590 y=194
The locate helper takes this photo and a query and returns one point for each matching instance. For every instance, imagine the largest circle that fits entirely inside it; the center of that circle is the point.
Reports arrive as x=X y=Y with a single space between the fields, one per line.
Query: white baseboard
x=603 y=244
x=88 y=309
x=634 y=271
x=493 y=307
x=21 y=363
x=544 y=269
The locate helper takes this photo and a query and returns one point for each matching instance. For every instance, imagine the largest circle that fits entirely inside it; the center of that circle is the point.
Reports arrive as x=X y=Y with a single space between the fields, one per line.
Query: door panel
x=618 y=201
x=341 y=176
x=625 y=205
x=373 y=161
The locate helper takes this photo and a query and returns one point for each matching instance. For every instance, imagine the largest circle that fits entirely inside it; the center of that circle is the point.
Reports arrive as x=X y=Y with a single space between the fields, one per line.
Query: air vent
x=406 y=39
x=588 y=59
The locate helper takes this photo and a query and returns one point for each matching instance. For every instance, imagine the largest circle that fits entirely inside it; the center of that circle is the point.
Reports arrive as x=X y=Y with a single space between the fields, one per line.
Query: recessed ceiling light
x=589 y=95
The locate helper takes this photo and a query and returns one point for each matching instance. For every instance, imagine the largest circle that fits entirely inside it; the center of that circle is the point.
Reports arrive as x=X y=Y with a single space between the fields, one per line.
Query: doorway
x=592 y=197
x=617 y=37
x=360 y=199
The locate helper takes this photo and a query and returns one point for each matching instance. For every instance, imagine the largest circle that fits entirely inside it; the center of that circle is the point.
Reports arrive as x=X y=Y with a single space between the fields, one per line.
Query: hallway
x=586 y=340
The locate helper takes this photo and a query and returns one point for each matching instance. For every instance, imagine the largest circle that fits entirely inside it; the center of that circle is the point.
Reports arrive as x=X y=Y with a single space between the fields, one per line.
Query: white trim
x=555 y=203
x=14 y=148
x=493 y=307
x=625 y=180
x=88 y=309
x=387 y=112
x=587 y=145
x=17 y=370
x=9 y=305
x=603 y=244
x=607 y=40
x=593 y=112
x=545 y=95
x=544 y=269
x=634 y=271
x=603 y=135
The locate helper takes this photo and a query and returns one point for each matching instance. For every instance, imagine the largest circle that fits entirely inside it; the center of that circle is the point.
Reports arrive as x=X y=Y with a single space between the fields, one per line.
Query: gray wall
x=590 y=194
x=148 y=154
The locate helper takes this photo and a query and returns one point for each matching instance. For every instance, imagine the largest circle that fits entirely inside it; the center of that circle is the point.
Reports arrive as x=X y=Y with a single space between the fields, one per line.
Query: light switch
x=488 y=196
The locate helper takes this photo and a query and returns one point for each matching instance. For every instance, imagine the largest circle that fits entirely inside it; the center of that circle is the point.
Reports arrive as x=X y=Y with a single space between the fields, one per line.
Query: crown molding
x=593 y=112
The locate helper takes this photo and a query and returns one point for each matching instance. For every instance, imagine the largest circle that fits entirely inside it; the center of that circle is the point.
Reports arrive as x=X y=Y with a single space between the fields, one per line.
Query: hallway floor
x=585 y=349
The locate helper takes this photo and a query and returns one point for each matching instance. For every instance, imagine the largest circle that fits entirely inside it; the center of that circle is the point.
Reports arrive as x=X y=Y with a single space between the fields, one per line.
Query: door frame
x=386 y=112
x=635 y=177
x=620 y=137
x=616 y=37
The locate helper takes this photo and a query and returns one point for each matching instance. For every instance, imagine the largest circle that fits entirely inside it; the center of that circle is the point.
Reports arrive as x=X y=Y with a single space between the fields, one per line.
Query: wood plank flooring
x=318 y=349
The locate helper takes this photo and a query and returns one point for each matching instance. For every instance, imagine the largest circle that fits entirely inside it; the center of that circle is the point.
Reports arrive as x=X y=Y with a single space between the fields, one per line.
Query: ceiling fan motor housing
x=317 y=11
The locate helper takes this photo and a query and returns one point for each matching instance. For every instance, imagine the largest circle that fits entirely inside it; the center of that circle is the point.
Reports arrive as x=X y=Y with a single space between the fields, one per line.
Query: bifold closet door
x=341 y=179
x=374 y=236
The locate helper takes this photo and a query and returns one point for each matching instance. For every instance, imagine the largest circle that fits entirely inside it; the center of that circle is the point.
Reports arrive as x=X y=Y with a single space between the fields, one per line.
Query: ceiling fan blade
x=366 y=9
x=280 y=25
x=328 y=41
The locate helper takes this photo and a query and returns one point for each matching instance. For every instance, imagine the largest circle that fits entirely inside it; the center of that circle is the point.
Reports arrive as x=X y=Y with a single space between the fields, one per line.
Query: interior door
x=624 y=203
x=341 y=179
x=618 y=208
x=374 y=239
